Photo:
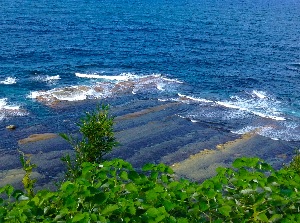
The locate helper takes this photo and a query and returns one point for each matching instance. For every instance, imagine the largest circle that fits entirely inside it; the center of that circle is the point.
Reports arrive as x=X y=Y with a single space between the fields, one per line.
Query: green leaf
x=148 y=166
x=99 y=198
x=275 y=217
x=9 y=189
x=17 y=193
x=131 y=187
x=133 y=175
x=151 y=196
x=132 y=210
x=168 y=205
x=152 y=212
x=70 y=202
x=124 y=175
x=182 y=220
x=203 y=206
x=109 y=209
x=225 y=210
x=93 y=217
x=245 y=162
x=263 y=217
x=78 y=217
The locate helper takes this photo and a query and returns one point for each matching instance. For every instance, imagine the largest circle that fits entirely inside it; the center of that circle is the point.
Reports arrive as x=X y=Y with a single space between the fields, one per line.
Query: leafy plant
x=27 y=166
x=97 y=140
x=295 y=163
x=250 y=191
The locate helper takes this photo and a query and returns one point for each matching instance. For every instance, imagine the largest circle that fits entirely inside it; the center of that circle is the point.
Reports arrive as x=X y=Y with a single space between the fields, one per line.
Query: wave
x=9 y=110
x=259 y=94
x=287 y=131
x=46 y=78
x=256 y=102
x=255 y=111
x=121 y=77
x=259 y=104
x=72 y=93
x=186 y=98
x=108 y=87
x=295 y=64
x=9 y=80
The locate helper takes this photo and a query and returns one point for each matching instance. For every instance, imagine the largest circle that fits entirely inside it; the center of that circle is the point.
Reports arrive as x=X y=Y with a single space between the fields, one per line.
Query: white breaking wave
x=46 y=78
x=4 y=105
x=7 y=109
x=259 y=104
x=160 y=86
x=183 y=97
x=285 y=131
x=125 y=83
x=122 y=77
x=51 y=78
x=259 y=94
x=73 y=93
x=9 y=80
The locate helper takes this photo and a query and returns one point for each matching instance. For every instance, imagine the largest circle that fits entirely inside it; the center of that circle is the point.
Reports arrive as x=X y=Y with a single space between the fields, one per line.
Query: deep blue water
x=237 y=61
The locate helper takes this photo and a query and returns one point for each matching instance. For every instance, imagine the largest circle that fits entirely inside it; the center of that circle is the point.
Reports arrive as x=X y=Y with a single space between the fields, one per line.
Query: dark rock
x=11 y=127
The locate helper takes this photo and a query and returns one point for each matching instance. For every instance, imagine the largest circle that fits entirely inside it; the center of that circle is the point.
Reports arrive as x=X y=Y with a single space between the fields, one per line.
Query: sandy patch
x=202 y=165
x=37 y=137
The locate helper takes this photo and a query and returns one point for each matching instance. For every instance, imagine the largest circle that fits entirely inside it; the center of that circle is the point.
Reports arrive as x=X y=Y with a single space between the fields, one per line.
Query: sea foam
x=46 y=78
x=107 y=86
x=9 y=80
x=10 y=110
x=259 y=104
x=121 y=77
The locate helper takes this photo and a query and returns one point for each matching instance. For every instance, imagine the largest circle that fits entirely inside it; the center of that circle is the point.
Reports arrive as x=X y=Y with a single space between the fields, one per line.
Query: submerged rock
x=37 y=137
x=11 y=127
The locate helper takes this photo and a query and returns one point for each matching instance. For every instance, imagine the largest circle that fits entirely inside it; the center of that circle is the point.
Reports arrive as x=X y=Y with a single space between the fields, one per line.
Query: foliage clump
x=295 y=163
x=97 y=140
x=250 y=191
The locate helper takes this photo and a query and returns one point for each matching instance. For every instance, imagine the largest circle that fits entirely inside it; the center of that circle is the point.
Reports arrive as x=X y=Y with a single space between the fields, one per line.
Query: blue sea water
x=234 y=62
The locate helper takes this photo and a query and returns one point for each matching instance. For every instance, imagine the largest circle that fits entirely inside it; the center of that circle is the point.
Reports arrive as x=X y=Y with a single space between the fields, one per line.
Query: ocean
x=234 y=64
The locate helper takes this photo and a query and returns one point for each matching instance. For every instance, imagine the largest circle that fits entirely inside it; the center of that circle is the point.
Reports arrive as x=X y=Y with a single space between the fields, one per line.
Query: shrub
x=295 y=163
x=113 y=191
x=97 y=140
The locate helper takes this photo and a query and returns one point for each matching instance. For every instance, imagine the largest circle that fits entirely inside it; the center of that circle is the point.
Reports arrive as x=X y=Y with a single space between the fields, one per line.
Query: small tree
x=295 y=163
x=97 y=140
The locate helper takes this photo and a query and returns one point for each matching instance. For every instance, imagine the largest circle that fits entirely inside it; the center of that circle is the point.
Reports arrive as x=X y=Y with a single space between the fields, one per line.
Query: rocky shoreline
x=149 y=131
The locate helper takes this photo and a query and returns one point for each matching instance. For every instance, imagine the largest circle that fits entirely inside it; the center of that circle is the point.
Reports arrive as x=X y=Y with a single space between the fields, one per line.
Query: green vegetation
x=97 y=140
x=251 y=191
x=27 y=166
x=112 y=191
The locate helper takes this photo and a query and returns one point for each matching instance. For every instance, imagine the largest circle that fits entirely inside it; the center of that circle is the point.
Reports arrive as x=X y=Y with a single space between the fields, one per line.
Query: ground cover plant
x=113 y=191
x=250 y=191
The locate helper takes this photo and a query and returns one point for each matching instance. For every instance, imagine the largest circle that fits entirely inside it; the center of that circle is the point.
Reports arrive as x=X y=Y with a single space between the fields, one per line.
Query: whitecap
x=4 y=105
x=7 y=109
x=172 y=80
x=125 y=83
x=261 y=105
x=259 y=94
x=247 y=129
x=160 y=86
x=186 y=97
x=51 y=78
x=46 y=78
x=287 y=131
x=230 y=105
x=9 y=80
x=121 y=77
